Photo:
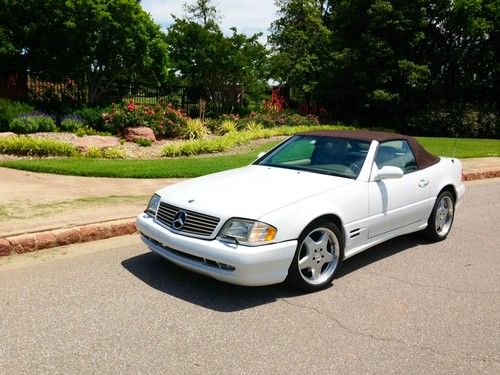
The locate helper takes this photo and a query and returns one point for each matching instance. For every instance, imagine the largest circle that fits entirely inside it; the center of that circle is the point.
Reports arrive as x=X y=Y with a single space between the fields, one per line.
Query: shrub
x=71 y=123
x=86 y=130
x=33 y=122
x=144 y=142
x=9 y=110
x=93 y=116
x=254 y=126
x=113 y=153
x=227 y=126
x=26 y=146
x=194 y=129
x=24 y=125
x=464 y=121
x=270 y=119
x=164 y=119
x=105 y=153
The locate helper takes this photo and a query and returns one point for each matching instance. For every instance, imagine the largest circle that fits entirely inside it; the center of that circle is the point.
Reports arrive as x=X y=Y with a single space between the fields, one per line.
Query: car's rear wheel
x=318 y=257
x=441 y=219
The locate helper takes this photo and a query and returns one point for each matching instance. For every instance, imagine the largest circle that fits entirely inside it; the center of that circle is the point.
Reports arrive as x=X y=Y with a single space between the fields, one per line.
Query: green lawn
x=198 y=166
x=464 y=147
x=159 y=168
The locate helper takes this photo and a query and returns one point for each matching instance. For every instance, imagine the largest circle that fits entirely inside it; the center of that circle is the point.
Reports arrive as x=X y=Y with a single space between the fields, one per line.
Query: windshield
x=320 y=154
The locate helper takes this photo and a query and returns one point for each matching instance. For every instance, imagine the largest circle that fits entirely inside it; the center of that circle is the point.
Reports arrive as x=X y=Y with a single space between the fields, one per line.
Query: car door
x=398 y=202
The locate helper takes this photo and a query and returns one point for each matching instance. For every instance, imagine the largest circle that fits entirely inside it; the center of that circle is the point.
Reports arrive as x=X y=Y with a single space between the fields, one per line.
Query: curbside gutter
x=53 y=238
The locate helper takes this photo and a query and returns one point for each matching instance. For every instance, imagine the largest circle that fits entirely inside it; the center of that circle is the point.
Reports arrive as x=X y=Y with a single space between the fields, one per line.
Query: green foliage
x=391 y=62
x=93 y=116
x=468 y=121
x=32 y=123
x=23 y=125
x=194 y=129
x=271 y=118
x=253 y=126
x=201 y=10
x=71 y=123
x=144 y=142
x=9 y=110
x=26 y=146
x=86 y=130
x=94 y=42
x=163 y=119
x=104 y=153
x=219 y=68
x=227 y=126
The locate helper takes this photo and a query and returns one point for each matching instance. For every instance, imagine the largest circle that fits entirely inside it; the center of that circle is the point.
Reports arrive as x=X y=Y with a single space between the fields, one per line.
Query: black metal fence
x=70 y=93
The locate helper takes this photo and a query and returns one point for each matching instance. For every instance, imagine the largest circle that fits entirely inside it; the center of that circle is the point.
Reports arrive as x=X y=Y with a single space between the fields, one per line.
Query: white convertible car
x=298 y=211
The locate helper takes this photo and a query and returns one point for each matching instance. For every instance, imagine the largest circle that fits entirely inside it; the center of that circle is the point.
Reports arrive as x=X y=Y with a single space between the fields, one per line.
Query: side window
x=396 y=154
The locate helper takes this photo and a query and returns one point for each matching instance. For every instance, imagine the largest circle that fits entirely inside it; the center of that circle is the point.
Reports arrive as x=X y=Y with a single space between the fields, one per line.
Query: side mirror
x=388 y=172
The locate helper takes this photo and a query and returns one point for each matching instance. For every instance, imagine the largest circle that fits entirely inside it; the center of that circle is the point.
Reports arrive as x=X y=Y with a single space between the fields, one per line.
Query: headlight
x=248 y=231
x=153 y=205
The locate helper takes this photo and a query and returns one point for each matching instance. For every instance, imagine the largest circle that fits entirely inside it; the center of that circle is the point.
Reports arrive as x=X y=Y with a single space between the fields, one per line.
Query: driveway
x=406 y=306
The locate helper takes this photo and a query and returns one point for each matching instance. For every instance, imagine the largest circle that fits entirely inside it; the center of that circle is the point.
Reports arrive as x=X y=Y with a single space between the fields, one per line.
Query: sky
x=248 y=16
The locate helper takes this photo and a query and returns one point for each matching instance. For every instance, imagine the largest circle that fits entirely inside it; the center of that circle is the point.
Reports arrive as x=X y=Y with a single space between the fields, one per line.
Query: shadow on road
x=204 y=291
x=201 y=290
x=382 y=251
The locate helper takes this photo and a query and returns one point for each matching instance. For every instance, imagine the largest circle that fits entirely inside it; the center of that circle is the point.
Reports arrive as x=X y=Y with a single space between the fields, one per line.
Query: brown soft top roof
x=423 y=158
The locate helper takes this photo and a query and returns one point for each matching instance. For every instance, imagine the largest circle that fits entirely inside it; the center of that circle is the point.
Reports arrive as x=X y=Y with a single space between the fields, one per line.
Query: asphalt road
x=407 y=306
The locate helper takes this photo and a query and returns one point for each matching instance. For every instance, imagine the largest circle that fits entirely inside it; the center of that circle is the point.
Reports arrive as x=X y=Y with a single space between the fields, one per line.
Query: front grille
x=196 y=223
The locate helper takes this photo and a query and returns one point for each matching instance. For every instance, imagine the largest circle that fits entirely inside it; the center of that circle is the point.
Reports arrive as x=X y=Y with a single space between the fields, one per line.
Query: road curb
x=480 y=175
x=25 y=243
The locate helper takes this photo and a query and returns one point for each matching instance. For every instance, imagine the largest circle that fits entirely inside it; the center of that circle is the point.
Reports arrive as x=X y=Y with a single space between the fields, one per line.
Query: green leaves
x=220 y=67
x=90 y=41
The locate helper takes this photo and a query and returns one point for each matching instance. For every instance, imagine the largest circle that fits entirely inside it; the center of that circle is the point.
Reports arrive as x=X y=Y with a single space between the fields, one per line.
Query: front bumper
x=236 y=264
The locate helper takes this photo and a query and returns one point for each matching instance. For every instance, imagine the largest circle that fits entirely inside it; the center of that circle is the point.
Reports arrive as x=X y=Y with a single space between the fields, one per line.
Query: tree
x=93 y=42
x=300 y=46
x=201 y=10
x=222 y=68
x=388 y=61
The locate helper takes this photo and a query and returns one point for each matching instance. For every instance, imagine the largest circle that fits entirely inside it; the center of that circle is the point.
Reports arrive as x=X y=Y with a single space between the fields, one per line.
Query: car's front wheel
x=318 y=257
x=441 y=219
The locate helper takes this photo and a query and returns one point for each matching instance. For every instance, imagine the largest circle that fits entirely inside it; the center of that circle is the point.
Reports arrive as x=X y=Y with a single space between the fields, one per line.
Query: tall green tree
x=300 y=44
x=203 y=11
x=388 y=61
x=223 y=68
x=94 y=42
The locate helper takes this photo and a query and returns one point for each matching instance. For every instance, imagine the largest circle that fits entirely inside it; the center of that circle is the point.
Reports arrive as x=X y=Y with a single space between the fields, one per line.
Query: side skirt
x=414 y=227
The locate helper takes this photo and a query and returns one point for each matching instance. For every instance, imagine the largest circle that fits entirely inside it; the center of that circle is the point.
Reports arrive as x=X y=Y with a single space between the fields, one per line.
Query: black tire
x=317 y=254
x=444 y=211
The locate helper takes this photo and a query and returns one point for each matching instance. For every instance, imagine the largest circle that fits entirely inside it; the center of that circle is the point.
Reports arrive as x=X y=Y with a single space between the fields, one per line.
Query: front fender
x=349 y=203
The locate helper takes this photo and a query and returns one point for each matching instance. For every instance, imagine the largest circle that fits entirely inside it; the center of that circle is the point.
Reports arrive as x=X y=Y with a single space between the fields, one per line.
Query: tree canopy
x=93 y=42
x=387 y=61
x=222 y=68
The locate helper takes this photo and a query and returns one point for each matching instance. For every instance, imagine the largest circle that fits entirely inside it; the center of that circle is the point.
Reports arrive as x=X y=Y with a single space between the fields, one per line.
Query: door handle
x=423 y=183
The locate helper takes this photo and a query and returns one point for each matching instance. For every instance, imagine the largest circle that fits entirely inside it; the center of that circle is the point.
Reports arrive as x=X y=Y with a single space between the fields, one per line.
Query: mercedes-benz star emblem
x=179 y=220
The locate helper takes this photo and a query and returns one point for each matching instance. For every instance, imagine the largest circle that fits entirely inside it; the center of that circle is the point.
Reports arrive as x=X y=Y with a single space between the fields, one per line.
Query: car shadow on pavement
x=207 y=292
x=379 y=252
x=201 y=290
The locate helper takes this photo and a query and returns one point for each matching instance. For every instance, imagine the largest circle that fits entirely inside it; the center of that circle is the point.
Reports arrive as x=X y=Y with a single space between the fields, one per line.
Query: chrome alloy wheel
x=444 y=216
x=318 y=256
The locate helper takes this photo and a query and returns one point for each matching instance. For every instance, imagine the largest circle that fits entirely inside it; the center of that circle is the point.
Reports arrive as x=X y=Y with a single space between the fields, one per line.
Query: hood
x=248 y=192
